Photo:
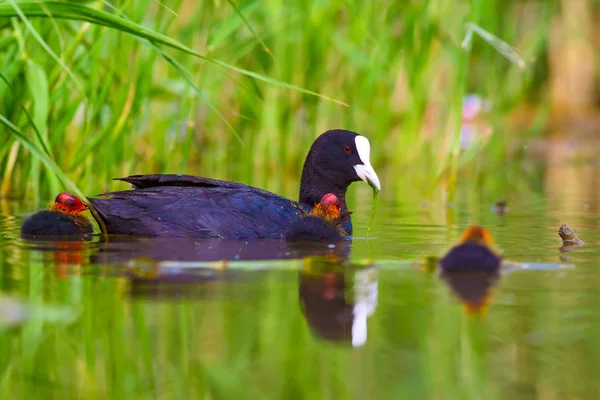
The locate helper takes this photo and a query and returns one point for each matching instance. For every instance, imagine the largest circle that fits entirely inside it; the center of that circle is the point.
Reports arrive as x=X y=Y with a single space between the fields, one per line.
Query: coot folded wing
x=222 y=212
x=146 y=181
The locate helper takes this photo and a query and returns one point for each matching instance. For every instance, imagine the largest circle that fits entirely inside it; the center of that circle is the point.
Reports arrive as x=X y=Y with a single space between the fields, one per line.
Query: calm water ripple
x=172 y=318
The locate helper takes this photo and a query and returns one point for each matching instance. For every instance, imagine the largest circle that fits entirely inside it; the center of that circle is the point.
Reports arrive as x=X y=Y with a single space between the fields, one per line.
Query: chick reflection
x=473 y=288
x=337 y=299
x=471 y=269
x=67 y=253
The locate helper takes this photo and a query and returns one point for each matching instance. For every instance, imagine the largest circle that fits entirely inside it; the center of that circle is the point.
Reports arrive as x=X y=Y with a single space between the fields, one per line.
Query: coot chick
x=183 y=205
x=473 y=253
x=63 y=218
x=322 y=223
x=471 y=269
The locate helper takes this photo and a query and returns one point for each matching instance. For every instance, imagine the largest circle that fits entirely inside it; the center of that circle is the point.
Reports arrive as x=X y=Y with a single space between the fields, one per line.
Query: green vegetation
x=91 y=90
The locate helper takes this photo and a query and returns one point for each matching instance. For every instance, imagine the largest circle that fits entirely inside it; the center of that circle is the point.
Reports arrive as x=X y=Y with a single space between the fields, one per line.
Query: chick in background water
x=500 y=208
x=474 y=252
x=471 y=269
x=64 y=217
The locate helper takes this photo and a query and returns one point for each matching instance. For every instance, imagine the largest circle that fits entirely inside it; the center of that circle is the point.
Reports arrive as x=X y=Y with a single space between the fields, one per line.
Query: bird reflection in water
x=337 y=299
x=198 y=265
x=471 y=269
x=122 y=249
x=158 y=271
x=473 y=288
x=66 y=252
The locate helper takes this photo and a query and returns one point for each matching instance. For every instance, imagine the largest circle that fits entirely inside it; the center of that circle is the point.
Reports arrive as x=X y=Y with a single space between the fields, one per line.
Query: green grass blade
x=83 y=13
x=258 y=39
x=42 y=43
x=39 y=136
x=36 y=152
x=39 y=90
x=501 y=46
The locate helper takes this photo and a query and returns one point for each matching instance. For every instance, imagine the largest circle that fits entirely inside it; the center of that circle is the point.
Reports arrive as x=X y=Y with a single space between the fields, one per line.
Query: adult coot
x=63 y=218
x=183 y=205
x=322 y=223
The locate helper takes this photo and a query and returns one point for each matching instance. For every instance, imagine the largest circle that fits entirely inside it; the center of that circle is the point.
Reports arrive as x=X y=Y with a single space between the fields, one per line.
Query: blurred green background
x=92 y=90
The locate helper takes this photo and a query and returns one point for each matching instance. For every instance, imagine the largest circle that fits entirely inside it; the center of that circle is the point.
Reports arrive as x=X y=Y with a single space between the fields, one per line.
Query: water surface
x=152 y=318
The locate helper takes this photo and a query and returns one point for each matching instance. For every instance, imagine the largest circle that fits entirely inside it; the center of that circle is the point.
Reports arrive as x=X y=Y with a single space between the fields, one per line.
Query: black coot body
x=182 y=205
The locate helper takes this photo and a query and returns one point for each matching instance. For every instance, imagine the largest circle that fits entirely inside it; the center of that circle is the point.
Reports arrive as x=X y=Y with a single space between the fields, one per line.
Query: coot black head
x=473 y=253
x=63 y=218
x=336 y=159
x=323 y=223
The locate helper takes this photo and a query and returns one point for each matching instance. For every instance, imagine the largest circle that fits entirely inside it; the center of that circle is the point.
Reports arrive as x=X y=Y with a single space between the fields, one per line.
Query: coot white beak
x=365 y=171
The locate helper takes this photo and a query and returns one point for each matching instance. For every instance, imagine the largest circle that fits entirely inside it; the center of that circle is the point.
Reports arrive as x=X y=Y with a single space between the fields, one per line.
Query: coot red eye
x=347 y=149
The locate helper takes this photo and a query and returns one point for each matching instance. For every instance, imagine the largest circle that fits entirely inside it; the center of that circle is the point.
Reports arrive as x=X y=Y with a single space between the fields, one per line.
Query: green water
x=91 y=324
